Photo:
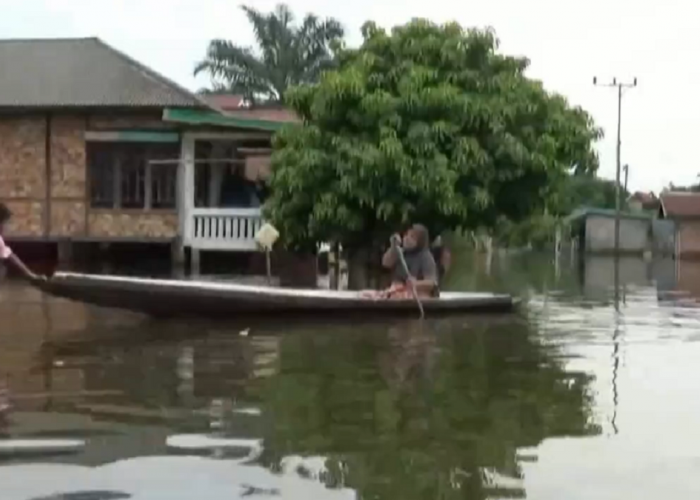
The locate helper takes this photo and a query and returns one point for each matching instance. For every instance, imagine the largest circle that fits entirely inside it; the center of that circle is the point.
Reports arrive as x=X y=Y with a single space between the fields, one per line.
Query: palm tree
x=287 y=55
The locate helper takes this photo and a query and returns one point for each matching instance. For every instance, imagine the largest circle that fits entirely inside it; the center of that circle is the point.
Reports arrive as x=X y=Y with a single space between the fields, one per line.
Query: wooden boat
x=162 y=297
x=14 y=447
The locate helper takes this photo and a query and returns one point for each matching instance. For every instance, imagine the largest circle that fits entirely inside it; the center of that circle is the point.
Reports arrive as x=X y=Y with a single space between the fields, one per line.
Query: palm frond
x=286 y=54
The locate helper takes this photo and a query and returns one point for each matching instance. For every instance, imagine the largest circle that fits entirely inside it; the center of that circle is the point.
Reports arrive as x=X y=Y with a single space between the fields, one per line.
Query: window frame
x=113 y=176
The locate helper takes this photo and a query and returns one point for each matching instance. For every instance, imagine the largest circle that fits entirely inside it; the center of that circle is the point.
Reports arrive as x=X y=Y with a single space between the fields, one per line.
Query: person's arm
x=391 y=256
x=22 y=268
x=6 y=255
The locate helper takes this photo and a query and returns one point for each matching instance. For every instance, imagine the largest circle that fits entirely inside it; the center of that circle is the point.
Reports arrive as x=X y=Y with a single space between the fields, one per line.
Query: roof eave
x=199 y=117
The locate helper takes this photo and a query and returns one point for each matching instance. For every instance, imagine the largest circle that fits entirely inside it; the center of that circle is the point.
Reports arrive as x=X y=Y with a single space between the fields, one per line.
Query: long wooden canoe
x=162 y=297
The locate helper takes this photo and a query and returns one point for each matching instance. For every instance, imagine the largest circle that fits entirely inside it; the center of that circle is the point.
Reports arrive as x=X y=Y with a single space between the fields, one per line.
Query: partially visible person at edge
x=6 y=254
x=442 y=256
x=423 y=271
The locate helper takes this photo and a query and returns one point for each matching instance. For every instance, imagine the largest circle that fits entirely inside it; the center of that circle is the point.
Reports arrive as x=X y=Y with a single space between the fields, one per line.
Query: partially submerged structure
x=96 y=147
x=593 y=229
x=683 y=210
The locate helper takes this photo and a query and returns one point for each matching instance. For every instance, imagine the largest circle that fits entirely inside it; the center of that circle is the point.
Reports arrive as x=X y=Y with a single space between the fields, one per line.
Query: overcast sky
x=568 y=42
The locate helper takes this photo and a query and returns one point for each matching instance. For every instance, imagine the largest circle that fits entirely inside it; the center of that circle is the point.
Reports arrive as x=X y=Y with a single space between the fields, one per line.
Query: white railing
x=223 y=228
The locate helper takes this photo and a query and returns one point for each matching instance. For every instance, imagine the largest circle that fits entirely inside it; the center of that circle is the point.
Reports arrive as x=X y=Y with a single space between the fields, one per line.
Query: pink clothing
x=5 y=251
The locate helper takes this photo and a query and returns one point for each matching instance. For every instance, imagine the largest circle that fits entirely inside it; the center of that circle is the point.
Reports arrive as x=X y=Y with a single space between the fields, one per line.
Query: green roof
x=203 y=117
x=584 y=212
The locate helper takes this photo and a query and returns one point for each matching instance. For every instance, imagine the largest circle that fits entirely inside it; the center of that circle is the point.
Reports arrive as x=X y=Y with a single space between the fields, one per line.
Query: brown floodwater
x=591 y=392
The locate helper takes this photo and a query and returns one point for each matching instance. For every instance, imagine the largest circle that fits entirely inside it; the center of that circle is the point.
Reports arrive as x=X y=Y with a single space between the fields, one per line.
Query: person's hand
x=395 y=240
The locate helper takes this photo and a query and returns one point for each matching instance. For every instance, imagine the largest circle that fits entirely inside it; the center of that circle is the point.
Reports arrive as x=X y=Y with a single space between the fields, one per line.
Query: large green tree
x=287 y=54
x=426 y=123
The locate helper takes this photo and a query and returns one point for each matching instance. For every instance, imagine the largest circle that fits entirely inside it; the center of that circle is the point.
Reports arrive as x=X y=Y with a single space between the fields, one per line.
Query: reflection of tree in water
x=393 y=427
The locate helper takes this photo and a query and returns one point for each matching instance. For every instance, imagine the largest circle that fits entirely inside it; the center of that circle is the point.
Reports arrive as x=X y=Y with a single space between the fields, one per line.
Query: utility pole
x=620 y=86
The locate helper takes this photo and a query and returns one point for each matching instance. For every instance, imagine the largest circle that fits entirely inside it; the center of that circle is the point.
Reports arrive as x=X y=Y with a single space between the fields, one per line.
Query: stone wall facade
x=68 y=164
x=44 y=179
x=117 y=225
x=23 y=158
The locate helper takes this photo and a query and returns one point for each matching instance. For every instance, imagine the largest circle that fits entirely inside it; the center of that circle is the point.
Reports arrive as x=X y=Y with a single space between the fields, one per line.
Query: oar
x=399 y=252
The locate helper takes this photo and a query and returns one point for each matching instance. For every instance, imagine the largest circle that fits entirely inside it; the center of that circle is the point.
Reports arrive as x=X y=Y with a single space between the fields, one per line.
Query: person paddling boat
x=6 y=254
x=420 y=263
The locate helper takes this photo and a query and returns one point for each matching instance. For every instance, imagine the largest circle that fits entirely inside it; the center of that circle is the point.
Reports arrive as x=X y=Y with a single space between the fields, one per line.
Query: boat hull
x=213 y=299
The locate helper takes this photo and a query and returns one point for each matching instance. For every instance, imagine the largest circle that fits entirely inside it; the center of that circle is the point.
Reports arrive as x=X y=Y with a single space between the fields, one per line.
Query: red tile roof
x=648 y=200
x=234 y=105
x=224 y=102
x=680 y=204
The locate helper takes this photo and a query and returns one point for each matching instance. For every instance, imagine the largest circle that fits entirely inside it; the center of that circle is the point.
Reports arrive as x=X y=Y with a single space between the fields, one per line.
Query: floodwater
x=590 y=393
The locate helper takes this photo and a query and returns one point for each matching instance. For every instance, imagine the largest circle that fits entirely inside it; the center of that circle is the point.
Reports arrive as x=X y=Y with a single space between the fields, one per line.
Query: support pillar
x=65 y=254
x=177 y=257
x=185 y=188
x=195 y=262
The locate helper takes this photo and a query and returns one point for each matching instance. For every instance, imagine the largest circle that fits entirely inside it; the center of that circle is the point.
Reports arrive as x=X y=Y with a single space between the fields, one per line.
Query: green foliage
x=537 y=231
x=587 y=191
x=427 y=123
x=287 y=55
x=573 y=192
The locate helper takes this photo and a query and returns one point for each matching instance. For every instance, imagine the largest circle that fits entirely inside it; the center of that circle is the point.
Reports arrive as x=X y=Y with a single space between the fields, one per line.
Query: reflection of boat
x=193 y=443
x=208 y=441
x=17 y=447
x=161 y=477
x=175 y=298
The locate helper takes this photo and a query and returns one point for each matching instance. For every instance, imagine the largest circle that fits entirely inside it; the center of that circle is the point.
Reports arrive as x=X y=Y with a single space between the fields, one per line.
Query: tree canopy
x=288 y=54
x=426 y=123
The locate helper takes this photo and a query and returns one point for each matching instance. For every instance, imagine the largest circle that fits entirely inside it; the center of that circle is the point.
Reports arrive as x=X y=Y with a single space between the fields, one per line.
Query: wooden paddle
x=409 y=278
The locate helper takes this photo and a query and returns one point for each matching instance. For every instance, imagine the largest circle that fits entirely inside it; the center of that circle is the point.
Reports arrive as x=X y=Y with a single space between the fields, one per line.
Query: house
x=683 y=208
x=96 y=147
x=594 y=230
x=643 y=202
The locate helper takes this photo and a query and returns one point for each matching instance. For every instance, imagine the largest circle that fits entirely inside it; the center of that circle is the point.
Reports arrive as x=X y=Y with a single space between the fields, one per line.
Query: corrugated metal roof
x=82 y=72
x=585 y=212
x=680 y=204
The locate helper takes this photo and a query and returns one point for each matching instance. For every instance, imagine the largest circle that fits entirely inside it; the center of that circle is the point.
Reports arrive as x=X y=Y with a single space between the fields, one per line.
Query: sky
x=568 y=41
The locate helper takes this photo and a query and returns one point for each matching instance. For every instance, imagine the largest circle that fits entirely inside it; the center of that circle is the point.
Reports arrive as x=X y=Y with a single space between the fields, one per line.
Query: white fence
x=226 y=229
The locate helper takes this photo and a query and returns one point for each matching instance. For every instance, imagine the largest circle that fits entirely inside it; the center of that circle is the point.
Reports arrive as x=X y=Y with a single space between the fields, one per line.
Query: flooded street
x=590 y=393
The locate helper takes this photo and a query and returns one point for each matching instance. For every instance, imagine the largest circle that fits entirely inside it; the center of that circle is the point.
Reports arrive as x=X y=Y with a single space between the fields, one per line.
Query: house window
x=122 y=175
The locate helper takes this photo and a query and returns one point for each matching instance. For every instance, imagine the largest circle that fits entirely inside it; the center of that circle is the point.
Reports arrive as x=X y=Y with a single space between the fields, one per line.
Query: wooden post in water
x=268 y=266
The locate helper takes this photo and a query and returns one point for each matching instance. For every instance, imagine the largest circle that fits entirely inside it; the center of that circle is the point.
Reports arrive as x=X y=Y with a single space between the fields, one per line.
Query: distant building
x=236 y=106
x=643 y=202
x=683 y=208
x=594 y=231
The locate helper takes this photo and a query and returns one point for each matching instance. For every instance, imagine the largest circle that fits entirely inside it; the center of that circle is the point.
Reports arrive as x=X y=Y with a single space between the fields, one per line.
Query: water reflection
x=474 y=407
x=416 y=414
